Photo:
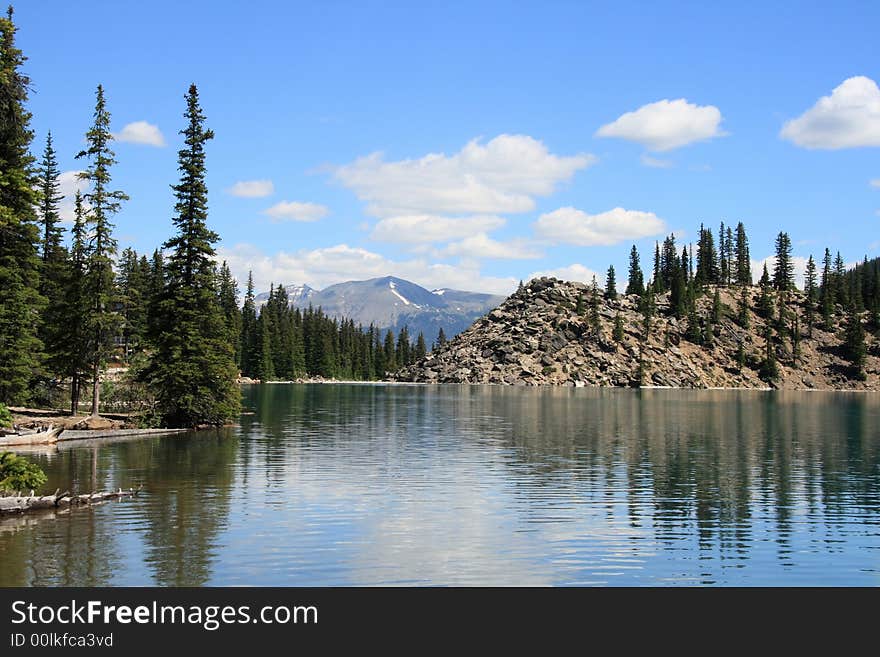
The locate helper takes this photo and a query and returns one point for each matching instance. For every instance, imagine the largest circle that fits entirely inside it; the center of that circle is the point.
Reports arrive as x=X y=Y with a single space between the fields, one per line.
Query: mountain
x=391 y=302
x=536 y=337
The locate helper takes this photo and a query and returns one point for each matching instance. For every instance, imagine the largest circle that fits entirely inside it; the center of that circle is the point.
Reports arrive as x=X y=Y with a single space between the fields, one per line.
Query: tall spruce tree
x=854 y=341
x=103 y=320
x=611 y=284
x=55 y=265
x=73 y=354
x=192 y=371
x=636 y=279
x=811 y=291
x=249 y=337
x=826 y=291
x=783 y=268
x=743 y=259
x=229 y=303
x=20 y=299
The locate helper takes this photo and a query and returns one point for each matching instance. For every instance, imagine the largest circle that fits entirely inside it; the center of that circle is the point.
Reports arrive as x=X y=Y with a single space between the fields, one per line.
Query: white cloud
x=666 y=125
x=424 y=228
x=502 y=175
x=483 y=246
x=252 y=188
x=141 y=132
x=327 y=266
x=656 y=163
x=572 y=226
x=875 y=182
x=69 y=183
x=848 y=118
x=573 y=272
x=296 y=211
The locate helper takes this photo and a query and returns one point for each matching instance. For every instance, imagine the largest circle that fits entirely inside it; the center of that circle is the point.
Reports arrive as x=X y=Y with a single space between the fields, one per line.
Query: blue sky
x=463 y=145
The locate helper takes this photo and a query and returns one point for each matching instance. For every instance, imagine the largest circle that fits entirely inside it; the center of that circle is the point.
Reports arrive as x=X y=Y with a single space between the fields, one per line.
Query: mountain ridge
x=390 y=302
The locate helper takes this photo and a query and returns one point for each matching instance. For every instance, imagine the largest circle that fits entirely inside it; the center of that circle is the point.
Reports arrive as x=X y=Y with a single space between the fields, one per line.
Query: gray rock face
x=536 y=338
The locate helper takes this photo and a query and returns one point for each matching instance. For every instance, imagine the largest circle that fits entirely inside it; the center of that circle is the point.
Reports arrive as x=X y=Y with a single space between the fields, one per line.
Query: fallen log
x=21 y=503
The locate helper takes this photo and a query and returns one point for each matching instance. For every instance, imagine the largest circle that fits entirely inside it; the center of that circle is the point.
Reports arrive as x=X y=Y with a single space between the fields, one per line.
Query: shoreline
x=552 y=385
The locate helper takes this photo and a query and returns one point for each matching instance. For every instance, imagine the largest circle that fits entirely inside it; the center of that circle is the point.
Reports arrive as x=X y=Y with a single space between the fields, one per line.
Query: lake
x=469 y=485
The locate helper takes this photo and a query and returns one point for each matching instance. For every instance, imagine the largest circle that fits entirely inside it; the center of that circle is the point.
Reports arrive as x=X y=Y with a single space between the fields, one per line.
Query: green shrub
x=17 y=473
x=5 y=416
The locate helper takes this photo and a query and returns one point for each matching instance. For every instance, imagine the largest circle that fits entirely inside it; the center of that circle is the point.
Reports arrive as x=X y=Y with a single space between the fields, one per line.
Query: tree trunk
x=74 y=394
x=96 y=390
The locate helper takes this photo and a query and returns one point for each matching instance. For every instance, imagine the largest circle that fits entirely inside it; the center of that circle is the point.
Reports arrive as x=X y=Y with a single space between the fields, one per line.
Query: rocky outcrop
x=536 y=337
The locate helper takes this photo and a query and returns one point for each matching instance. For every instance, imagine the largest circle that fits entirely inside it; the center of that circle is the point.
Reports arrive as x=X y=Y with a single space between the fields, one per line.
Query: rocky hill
x=536 y=337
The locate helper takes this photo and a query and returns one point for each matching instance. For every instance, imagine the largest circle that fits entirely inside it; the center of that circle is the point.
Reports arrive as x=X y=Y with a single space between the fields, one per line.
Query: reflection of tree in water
x=190 y=482
x=72 y=547
x=730 y=465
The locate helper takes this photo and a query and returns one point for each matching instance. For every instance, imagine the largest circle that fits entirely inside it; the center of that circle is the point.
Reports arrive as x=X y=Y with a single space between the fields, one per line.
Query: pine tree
x=743 y=310
x=826 y=291
x=717 y=308
x=595 y=321
x=229 y=303
x=765 y=301
x=841 y=293
x=103 y=203
x=649 y=309
x=769 y=370
x=441 y=338
x=854 y=342
x=657 y=279
x=249 y=335
x=20 y=300
x=731 y=254
x=55 y=267
x=783 y=269
x=192 y=371
x=611 y=284
x=811 y=293
x=401 y=354
x=390 y=355
x=130 y=286
x=72 y=356
x=617 y=332
x=743 y=259
x=636 y=282
x=580 y=306
x=724 y=264
x=421 y=349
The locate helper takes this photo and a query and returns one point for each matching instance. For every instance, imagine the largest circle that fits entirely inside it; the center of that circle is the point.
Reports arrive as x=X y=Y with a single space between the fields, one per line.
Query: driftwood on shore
x=38 y=436
x=21 y=503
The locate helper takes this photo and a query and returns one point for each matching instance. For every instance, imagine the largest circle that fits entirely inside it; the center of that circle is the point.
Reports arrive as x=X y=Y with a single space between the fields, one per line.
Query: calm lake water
x=467 y=485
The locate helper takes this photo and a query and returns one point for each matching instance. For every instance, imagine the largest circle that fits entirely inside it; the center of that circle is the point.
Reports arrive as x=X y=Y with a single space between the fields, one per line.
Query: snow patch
x=396 y=293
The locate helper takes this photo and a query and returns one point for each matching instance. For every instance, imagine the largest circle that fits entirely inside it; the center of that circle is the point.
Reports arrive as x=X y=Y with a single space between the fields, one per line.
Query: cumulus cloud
x=666 y=125
x=141 y=132
x=252 y=188
x=296 y=211
x=69 y=183
x=502 y=175
x=655 y=163
x=848 y=118
x=573 y=272
x=425 y=228
x=572 y=226
x=327 y=266
x=483 y=246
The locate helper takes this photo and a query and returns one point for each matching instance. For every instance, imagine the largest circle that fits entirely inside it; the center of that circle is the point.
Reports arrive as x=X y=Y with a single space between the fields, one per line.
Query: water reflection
x=371 y=484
